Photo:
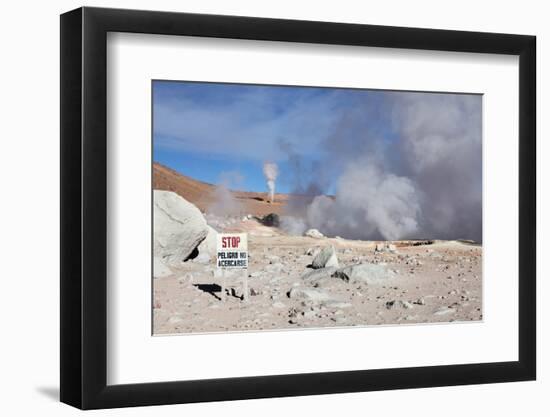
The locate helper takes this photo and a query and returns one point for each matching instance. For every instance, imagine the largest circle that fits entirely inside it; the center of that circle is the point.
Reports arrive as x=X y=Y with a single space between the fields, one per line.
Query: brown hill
x=204 y=195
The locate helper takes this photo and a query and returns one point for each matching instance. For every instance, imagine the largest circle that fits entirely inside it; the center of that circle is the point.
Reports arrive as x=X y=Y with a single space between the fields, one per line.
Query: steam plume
x=271 y=171
x=421 y=178
x=224 y=202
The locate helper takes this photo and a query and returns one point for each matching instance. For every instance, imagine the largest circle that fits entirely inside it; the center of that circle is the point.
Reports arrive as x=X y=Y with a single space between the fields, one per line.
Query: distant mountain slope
x=204 y=195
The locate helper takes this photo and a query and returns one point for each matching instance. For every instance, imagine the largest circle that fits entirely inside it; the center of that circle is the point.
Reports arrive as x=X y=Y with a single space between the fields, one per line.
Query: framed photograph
x=257 y=208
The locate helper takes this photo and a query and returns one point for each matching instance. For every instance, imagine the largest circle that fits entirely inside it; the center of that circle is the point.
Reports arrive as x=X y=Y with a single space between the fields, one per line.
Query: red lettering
x=231 y=241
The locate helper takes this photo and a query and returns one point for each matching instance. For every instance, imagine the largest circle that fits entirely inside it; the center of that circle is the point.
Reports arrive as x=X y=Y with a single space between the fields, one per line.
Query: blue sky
x=218 y=132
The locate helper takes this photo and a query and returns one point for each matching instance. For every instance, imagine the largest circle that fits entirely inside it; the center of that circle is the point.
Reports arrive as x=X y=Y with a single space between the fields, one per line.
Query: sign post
x=232 y=253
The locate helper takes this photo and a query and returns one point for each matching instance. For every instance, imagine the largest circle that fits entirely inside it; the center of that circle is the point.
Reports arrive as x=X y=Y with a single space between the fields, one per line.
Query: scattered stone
x=314 y=275
x=398 y=304
x=175 y=320
x=385 y=247
x=314 y=233
x=278 y=304
x=420 y=302
x=311 y=294
x=367 y=273
x=325 y=259
x=311 y=251
x=274 y=268
x=444 y=311
x=186 y=279
x=338 y=304
x=309 y=314
x=254 y=292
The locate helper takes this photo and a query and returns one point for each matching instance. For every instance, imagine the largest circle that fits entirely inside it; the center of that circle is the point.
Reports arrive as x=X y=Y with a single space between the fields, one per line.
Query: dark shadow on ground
x=215 y=291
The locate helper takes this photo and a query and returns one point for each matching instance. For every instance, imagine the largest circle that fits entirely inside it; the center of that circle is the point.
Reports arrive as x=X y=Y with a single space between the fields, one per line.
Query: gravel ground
x=400 y=283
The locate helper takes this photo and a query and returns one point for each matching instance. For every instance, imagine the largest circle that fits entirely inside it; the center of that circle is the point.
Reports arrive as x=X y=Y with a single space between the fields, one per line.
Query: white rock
x=175 y=320
x=367 y=273
x=311 y=294
x=274 y=268
x=325 y=259
x=398 y=303
x=160 y=269
x=339 y=304
x=317 y=274
x=203 y=258
x=314 y=233
x=442 y=311
x=179 y=227
x=208 y=245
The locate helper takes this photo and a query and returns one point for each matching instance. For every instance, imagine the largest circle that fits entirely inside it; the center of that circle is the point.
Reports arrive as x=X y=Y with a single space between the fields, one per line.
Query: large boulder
x=364 y=273
x=179 y=227
x=326 y=258
x=160 y=269
x=207 y=248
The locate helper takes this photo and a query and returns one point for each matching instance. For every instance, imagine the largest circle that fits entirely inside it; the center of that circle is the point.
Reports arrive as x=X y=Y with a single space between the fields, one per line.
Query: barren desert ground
x=308 y=281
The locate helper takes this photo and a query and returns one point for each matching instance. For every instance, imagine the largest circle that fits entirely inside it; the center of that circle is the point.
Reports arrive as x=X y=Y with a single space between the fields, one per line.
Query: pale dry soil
x=439 y=282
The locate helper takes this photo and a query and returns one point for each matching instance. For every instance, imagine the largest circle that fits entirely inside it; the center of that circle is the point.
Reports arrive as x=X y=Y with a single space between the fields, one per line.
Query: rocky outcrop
x=326 y=258
x=179 y=227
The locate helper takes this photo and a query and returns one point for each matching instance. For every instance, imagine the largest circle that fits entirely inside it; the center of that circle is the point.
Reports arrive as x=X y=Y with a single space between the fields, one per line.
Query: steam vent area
x=297 y=276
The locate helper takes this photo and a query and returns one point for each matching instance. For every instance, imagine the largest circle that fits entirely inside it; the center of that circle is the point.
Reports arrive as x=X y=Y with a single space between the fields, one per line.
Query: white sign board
x=232 y=251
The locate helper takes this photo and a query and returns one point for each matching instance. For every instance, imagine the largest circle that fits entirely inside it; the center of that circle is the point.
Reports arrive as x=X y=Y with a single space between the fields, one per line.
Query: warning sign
x=232 y=251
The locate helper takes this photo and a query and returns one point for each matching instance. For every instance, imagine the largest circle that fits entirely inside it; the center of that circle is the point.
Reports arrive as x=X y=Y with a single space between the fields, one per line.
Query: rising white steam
x=368 y=202
x=271 y=171
x=224 y=202
x=419 y=178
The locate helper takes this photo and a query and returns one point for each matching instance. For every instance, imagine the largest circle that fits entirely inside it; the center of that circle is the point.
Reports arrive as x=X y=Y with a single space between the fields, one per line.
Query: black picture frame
x=84 y=207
